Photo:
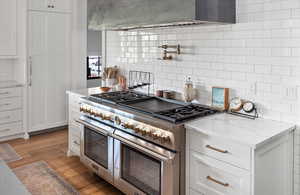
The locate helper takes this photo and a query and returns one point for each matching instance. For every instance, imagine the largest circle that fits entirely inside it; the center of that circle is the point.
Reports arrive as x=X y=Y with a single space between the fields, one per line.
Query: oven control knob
x=137 y=129
x=107 y=118
x=165 y=139
x=156 y=135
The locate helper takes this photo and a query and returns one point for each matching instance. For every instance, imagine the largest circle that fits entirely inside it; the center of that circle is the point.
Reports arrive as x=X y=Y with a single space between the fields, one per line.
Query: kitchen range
x=137 y=142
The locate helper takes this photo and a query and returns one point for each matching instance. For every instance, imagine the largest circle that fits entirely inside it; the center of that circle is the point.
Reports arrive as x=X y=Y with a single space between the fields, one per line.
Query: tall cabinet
x=49 y=62
x=8 y=31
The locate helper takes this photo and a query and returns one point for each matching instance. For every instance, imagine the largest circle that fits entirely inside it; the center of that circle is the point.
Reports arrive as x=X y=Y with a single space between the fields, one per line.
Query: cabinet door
x=37 y=51
x=58 y=38
x=38 y=4
x=8 y=23
x=49 y=52
x=212 y=177
x=61 y=5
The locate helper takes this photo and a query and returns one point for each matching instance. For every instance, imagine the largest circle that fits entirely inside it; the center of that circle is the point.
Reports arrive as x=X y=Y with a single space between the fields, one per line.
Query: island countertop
x=242 y=130
x=85 y=91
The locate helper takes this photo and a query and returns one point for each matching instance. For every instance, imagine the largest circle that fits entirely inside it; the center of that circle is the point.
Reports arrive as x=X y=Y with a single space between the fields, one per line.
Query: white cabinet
x=49 y=68
x=213 y=177
x=11 y=114
x=8 y=30
x=50 y=5
x=220 y=166
x=75 y=128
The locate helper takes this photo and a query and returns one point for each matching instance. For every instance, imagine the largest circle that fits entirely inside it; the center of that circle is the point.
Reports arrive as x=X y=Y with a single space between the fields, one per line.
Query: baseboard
x=11 y=137
x=48 y=130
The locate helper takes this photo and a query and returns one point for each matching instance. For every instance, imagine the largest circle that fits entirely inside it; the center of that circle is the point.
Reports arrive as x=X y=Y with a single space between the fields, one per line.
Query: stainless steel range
x=137 y=142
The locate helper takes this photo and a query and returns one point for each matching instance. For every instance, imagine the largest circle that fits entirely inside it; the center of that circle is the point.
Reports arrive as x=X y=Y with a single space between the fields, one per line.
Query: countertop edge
x=252 y=145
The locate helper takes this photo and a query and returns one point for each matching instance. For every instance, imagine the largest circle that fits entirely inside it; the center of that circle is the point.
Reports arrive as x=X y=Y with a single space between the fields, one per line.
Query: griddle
x=152 y=105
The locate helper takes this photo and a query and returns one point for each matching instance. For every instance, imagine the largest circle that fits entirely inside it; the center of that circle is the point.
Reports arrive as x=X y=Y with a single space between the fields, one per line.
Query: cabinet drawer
x=213 y=177
x=224 y=150
x=10 y=103
x=74 y=144
x=10 y=129
x=10 y=92
x=10 y=116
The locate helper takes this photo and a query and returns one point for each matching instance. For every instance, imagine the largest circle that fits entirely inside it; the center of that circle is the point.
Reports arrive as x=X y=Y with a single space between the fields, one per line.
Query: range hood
x=132 y=14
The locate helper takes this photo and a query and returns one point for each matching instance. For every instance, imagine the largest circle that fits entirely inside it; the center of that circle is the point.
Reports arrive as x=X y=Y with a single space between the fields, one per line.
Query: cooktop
x=169 y=110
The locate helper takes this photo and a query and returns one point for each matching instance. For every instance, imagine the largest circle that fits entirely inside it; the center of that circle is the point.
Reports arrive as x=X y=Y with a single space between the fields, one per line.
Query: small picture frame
x=220 y=98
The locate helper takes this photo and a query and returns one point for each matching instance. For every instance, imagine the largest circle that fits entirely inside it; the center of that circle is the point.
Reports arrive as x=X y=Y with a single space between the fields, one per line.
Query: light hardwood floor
x=52 y=148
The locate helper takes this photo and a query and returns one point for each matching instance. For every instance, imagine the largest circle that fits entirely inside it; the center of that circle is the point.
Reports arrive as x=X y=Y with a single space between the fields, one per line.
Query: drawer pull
x=4 y=105
x=75 y=142
x=216 y=149
x=4 y=93
x=6 y=117
x=4 y=130
x=216 y=181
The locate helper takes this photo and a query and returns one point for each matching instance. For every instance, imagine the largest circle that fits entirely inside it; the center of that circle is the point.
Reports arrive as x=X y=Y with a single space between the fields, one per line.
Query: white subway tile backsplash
x=258 y=58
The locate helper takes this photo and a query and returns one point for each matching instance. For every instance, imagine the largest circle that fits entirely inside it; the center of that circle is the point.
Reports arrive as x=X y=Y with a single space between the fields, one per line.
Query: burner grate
x=184 y=113
x=120 y=97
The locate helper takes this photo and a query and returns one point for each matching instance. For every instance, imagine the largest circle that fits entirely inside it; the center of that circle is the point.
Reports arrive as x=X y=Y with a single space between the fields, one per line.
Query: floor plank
x=51 y=148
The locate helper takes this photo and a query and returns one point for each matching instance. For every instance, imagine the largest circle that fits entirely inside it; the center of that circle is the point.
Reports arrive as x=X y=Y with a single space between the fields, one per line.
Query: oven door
x=142 y=168
x=97 y=148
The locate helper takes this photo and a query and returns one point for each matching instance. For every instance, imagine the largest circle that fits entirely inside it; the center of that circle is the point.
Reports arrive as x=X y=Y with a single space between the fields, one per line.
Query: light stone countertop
x=85 y=92
x=238 y=129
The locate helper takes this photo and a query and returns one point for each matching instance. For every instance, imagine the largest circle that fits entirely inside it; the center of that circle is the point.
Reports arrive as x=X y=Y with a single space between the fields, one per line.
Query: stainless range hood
x=132 y=14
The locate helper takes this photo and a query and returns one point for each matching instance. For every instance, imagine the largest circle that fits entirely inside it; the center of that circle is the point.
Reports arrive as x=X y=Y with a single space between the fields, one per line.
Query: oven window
x=141 y=171
x=96 y=147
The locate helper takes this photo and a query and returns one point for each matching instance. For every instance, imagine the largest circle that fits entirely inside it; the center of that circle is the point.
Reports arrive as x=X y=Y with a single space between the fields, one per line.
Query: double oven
x=132 y=164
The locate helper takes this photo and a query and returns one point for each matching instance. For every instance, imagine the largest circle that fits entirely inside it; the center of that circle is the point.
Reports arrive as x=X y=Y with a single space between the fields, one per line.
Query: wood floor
x=52 y=148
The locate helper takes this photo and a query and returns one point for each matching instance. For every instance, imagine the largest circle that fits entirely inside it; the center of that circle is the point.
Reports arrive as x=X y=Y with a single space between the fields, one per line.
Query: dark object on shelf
x=94 y=66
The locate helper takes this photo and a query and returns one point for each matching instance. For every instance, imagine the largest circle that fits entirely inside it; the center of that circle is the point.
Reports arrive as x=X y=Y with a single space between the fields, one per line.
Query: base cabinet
x=11 y=112
x=212 y=170
x=213 y=177
x=75 y=128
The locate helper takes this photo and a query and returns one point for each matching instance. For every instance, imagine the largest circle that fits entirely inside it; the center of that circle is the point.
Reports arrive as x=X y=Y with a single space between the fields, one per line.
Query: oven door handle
x=164 y=158
x=92 y=126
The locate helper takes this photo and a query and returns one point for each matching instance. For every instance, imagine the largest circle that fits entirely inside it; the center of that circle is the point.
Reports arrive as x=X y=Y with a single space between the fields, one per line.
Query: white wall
x=258 y=58
x=94 y=43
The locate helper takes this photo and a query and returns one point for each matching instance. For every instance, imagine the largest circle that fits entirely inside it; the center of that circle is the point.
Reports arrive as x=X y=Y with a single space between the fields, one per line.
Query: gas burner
x=120 y=97
x=185 y=112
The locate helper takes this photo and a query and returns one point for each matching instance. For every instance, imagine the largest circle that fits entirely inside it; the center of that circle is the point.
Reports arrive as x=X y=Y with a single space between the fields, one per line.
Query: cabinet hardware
x=4 y=130
x=5 y=93
x=6 y=117
x=4 y=105
x=216 y=149
x=75 y=142
x=30 y=71
x=49 y=6
x=216 y=181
